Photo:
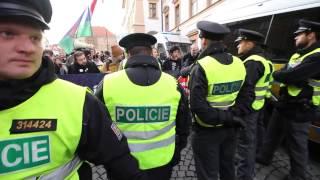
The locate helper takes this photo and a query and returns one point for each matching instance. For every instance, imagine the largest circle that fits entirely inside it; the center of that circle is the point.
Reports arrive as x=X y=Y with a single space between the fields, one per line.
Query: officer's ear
x=311 y=35
x=205 y=42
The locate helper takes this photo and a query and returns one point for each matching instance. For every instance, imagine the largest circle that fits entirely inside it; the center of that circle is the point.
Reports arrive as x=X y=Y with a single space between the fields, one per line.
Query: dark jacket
x=188 y=59
x=255 y=71
x=90 y=67
x=198 y=86
x=145 y=71
x=172 y=67
x=98 y=142
x=299 y=76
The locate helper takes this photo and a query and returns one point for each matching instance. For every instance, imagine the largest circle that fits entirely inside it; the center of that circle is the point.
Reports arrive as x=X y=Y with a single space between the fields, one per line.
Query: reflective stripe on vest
x=141 y=147
x=271 y=81
x=295 y=60
x=146 y=115
x=62 y=172
x=37 y=152
x=148 y=134
x=262 y=84
x=224 y=83
x=315 y=84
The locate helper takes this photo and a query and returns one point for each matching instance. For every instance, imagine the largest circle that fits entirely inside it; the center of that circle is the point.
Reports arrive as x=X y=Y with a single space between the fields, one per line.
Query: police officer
x=148 y=107
x=49 y=127
x=215 y=81
x=251 y=97
x=298 y=101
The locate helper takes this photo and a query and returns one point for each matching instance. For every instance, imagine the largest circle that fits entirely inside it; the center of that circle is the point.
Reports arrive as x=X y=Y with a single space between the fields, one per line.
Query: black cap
x=250 y=35
x=38 y=11
x=306 y=25
x=137 y=39
x=212 y=30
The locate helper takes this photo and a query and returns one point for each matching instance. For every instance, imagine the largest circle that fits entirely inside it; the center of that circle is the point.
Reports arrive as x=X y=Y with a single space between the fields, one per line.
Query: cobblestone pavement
x=185 y=170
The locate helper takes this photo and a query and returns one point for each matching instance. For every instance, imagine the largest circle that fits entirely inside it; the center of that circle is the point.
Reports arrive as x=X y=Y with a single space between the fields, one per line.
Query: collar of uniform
x=142 y=60
x=254 y=51
x=309 y=49
x=14 y=92
x=212 y=48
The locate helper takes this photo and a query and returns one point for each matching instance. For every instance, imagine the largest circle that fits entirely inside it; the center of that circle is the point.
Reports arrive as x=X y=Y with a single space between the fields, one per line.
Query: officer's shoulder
x=167 y=76
x=68 y=88
x=114 y=75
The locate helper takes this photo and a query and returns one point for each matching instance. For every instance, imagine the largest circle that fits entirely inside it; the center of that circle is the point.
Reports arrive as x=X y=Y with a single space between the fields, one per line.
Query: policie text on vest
x=142 y=114
x=22 y=153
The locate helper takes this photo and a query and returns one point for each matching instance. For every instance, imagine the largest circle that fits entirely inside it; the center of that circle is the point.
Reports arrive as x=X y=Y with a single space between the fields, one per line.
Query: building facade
x=102 y=39
x=142 y=16
x=152 y=16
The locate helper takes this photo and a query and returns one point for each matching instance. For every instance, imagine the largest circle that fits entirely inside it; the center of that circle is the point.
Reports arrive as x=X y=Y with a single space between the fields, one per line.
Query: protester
x=82 y=65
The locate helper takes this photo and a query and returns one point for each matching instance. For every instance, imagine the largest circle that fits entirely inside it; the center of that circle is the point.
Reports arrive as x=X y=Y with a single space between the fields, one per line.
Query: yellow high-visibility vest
x=146 y=115
x=39 y=137
x=262 y=86
x=224 y=83
x=295 y=60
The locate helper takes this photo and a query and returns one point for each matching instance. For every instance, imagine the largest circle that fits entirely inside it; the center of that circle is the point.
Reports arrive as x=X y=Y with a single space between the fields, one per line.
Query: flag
x=67 y=41
x=81 y=28
x=84 y=28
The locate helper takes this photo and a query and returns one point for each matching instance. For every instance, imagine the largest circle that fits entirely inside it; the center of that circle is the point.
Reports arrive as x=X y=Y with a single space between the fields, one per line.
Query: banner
x=90 y=80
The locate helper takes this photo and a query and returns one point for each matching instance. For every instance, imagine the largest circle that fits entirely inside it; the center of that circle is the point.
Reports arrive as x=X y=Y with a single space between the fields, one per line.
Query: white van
x=166 y=40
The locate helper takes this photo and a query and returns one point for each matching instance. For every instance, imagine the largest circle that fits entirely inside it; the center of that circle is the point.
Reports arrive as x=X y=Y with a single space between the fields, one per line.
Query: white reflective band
x=259 y=97
x=228 y=103
x=316 y=93
x=261 y=88
x=149 y=146
x=62 y=172
x=148 y=134
x=314 y=83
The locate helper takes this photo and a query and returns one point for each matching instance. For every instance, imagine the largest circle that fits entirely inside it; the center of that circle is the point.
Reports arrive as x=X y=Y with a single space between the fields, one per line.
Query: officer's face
x=301 y=40
x=21 y=50
x=244 y=47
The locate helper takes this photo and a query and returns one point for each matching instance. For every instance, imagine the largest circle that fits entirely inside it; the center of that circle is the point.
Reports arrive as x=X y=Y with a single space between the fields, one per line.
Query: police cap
x=246 y=34
x=212 y=30
x=38 y=11
x=137 y=39
x=306 y=25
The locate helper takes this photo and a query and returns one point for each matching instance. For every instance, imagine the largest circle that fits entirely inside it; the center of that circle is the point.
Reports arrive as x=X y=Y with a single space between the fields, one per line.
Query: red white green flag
x=81 y=28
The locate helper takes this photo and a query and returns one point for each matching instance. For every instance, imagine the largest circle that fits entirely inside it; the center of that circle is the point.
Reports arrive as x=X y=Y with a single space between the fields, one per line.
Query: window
x=193 y=7
x=166 y=22
x=177 y=14
x=212 y=2
x=152 y=10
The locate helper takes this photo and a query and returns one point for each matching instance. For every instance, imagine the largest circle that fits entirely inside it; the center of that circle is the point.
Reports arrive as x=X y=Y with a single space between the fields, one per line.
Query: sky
x=108 y=13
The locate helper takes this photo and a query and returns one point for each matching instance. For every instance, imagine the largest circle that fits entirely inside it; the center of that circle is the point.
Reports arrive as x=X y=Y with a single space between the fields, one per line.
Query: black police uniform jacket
x=98 y=144
x=144 y=71
x=298 y=76
x=255 y=70
x=198 y=86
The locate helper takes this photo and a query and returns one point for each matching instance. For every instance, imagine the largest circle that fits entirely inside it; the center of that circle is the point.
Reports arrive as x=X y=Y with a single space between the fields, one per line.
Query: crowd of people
x=138 y=120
